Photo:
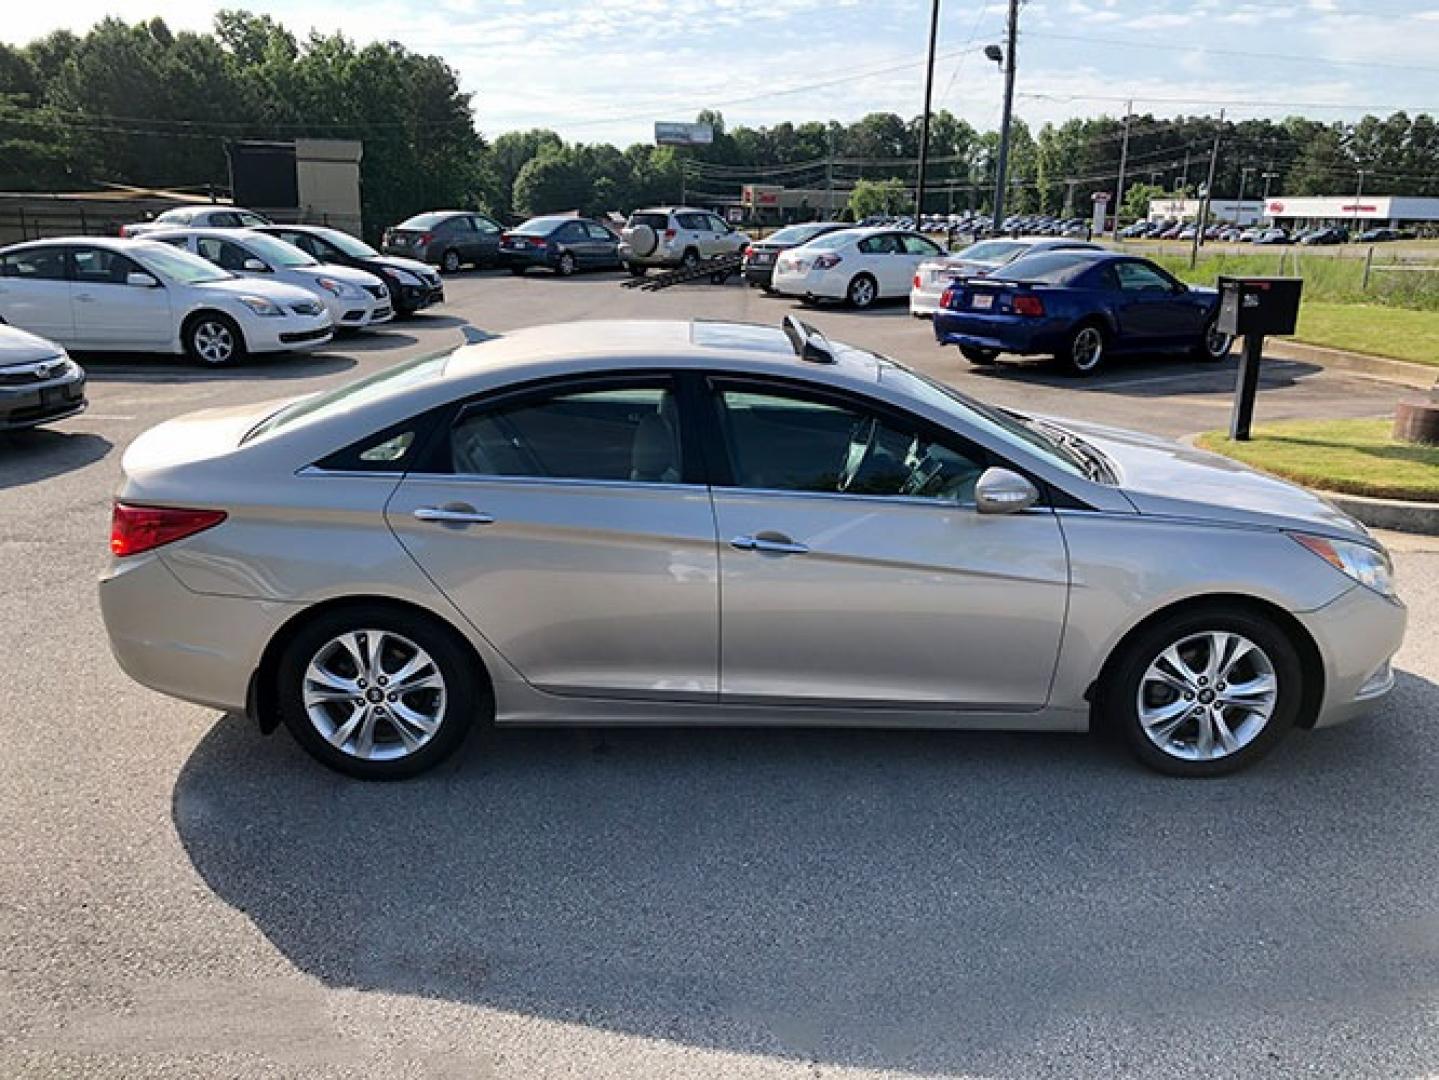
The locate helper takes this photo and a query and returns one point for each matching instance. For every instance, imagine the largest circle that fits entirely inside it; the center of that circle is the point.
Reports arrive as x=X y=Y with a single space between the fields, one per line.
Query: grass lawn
x=1398 y=333
x=1357 y=457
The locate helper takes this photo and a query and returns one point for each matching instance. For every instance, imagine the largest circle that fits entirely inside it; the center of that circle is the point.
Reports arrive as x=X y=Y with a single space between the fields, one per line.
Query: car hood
x=1167 y=478
x=276 y=291
x=398 y=262
x=362 y=279
x=21 y=347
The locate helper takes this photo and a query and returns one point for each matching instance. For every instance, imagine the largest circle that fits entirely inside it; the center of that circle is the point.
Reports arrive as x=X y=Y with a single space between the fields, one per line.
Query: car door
x=916 y=250
x=109 y=311
x=571 y=525
x=855 y=570
x=35 y=292
x=606 y=244
x=1151 y=308
x=889 y=263
x=485 y=239
x=572 y=237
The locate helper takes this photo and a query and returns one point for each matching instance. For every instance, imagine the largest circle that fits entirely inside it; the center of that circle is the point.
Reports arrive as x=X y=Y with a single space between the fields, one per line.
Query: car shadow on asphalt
x=928 y=901
x=28 y=457
x=165 y=368
x=1149 y=376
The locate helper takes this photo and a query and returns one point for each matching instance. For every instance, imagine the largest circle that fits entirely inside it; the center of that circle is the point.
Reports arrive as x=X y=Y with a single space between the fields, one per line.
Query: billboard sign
x=676 y=134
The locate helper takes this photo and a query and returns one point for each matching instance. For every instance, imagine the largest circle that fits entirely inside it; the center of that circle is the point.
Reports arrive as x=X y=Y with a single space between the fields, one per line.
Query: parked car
x=1378 y=236
x=859 y=266
x=98 y=294
x=671 y=236
x=448 y=239
x=760 y=255
x=413 y=285
x=1271 y=236
x=864 y=546
x=1079 y=307
x=932 y=277
x=39 y=383
x=356 y=300
x=1331 y=235
x=199 y=216
x=562 y=244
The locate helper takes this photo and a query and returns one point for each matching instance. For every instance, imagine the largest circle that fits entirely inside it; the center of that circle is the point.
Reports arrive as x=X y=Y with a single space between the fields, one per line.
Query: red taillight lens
x=946 y=298
x=136 y=529
x=916 y=281
x=748 y=250
x=1028 y=305
x=826 y=262
x=669 y=234
x=425 y=238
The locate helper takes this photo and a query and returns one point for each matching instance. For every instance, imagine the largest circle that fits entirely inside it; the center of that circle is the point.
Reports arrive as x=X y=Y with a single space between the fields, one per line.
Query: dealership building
x=1305 y=211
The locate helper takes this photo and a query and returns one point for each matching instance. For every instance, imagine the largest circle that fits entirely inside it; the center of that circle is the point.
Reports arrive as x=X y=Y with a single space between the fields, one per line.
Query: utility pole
x=1358 y=194
x=1184 y=183
x=1243 y=176
x=1068 y=210
x=1123 y=164
x=829 y=178
x=1268 y=176
x=1205 y=195
x=924 y=120
x=1011 y=35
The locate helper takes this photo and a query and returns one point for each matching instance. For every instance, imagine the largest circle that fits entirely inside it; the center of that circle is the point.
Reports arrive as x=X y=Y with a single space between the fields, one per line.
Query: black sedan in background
x=413 y=285
x=560 y=243
x=760 y=256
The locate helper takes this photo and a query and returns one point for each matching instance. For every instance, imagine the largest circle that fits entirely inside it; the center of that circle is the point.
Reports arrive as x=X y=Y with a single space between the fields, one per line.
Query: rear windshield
x=832 y=240
x=798 y=234
x=993 y=251
x=424 y=221
x=351 y=395
x=654 y=221
x=177 y=217
x=542 y=226
x=1046 y=267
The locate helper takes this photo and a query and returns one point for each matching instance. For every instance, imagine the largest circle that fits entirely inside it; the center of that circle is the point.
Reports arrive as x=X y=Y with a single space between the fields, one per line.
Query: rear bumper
x=1006 y=333
x=526 y=259
x=815 y=284
x=1357 y=635
x=762 y=274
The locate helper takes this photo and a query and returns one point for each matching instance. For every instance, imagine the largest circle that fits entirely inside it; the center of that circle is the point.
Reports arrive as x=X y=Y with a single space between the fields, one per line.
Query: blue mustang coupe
x=1079 y=307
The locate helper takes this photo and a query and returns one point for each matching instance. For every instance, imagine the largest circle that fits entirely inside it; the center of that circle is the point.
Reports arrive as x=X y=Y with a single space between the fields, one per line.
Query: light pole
x=1004 y=57
x=1243 y=176
x=924 y=120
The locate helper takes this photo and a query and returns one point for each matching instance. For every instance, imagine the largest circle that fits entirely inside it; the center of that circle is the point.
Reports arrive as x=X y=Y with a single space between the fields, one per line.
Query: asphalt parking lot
x=181 y=896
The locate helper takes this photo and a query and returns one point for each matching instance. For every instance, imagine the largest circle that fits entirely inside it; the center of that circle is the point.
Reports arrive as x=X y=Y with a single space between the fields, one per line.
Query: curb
x=1419 y=376
x=1396 y=515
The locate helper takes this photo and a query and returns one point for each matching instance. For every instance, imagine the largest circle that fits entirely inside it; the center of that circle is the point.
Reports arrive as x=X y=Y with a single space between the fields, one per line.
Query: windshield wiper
x=1094 y=464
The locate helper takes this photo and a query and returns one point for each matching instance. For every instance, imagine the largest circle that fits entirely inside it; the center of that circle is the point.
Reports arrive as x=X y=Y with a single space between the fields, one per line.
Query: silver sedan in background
x=707 y=522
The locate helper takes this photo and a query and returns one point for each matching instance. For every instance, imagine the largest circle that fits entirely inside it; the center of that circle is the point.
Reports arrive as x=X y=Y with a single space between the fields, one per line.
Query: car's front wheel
x=213 y=339
x=376 y=692
x=1206 y=691
x=450 y=262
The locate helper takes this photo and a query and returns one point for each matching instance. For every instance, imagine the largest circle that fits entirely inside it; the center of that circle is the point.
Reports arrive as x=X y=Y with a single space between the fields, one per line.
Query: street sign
x=669 y=133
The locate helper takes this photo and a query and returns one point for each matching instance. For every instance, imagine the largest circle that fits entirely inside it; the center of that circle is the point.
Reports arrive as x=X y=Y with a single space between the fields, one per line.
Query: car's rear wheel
x=214 y=339
x=976 y=355
x=862 y=291
x=1215 y=344
x=1206 y=691
x=1083 y=349
x=690 y=259
x=450 y=262
x=377 y=692
x=566 y=265
x=636 y=270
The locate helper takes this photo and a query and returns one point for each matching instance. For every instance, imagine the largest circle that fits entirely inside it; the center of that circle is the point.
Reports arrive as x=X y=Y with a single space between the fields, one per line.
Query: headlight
x=260 y=306
x=1369 y=566
x=399 y=277
x=338 y=288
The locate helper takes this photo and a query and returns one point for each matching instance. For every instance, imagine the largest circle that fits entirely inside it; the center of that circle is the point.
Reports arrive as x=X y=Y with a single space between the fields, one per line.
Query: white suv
x=676 y=236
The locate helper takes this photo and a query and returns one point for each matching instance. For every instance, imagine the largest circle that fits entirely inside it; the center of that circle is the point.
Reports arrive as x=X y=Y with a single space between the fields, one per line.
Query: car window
x=1137 y=277
x=224 y=219
x=37 y=264
x=695 y=222
x=306 y=243
x=101 y=266
x=277 y=252
x=483 y=225
x=918 y=245
x=657 y=222
x=598 y=232
x=223 y=253
x=884 y=244
x=182 y=266
x=250 y=220
x=463 y=224
x=423 y=222
x=715 y=224
x=571 y=232
x=1047 y=267
x=993 y=251
x=628 y=434
x=782 y=440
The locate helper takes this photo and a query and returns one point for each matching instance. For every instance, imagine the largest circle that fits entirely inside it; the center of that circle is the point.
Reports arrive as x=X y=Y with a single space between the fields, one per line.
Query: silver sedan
x=706 y=522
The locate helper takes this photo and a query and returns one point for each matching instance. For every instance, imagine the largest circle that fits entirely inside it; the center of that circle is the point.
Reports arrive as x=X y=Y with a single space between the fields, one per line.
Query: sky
x=605 y=70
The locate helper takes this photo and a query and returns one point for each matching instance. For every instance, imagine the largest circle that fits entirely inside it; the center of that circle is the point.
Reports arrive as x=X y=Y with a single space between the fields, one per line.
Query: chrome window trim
x=884 y=500
x=551 y=481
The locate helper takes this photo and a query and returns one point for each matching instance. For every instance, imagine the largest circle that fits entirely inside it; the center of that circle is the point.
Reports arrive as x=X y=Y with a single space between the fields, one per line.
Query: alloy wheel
x=1207 y=696
x=861 y=292
x=1087 y=349
x=450 y=263
x=214 y=342
x=374 y=695
x=567 y=264
x=1216 y=342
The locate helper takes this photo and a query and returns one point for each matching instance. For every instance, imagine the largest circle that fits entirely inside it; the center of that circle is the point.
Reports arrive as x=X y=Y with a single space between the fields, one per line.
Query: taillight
x=136 y=529
x=827 y=262
x=748 y=250
x=916 y=281
x=1027 y=304
x=425 y=238
x=946 y=298
x=124 y=230
x=669 y=234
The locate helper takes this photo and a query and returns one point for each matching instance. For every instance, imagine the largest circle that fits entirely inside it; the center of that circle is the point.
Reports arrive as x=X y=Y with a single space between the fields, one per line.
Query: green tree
x=878 y=197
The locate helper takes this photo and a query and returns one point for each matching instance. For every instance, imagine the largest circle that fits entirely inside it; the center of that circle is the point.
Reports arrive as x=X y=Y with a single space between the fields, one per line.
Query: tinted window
x=424 y=222
x=884 y=244
x=1049 y=268
x=223 y=253
x=224 y=219
x=617 y=434
x=482 y=224
x=250 y=220
x=101 y=266
x=39 y=264
x=571 y=232
x=918 y=245
x=1138 y=277
x=657 y=222
x=778 y=440
x=598 y=232
x=306 y=243
x=697 y=222
x=796 y=234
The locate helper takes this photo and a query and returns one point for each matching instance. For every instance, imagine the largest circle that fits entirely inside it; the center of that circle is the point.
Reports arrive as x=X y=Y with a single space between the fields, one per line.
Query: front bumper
x=358 y=312
x=292 y=332
x=44 y=403
x=1357 y=635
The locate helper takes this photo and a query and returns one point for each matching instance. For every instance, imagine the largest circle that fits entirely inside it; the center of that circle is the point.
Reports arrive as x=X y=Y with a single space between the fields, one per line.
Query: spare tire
x=642 y=240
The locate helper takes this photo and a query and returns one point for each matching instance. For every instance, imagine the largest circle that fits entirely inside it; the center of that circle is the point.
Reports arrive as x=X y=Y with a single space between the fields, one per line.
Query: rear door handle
x=454 y=514
x=772 y=543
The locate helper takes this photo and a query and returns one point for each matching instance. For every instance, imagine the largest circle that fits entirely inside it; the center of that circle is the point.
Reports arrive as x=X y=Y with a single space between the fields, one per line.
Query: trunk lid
x=194 y=437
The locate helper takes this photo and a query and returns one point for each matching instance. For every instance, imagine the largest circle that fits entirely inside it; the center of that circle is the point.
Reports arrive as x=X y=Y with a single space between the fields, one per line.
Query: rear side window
x=619 y=434
x=101 y=266
x=657 y=222
x=38 y=264
x=696 y=222
x=598 y=232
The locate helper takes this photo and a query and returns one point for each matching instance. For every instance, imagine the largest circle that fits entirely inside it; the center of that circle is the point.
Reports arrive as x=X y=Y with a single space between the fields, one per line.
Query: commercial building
x=1372 y=210
x=1229 y=211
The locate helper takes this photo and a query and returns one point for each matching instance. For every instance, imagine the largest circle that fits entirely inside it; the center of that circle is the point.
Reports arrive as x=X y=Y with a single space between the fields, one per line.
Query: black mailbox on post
x=1250 y=308
x=1258 y=305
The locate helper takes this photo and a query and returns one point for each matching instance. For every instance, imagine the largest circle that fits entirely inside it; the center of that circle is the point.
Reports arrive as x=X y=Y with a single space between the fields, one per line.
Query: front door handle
x=453 y=514
x=771 y=543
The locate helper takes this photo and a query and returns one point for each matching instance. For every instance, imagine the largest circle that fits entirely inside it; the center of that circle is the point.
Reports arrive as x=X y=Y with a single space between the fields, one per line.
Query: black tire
x=1081 y=355
x=466 y=699
x=204 y=337
x=978 y=356
x=690 y=259
x=862 y=292
x=566 y=266
x=636 y=270
x=1119 y=694
x=518 y=271
x=1213 y=347
x=450 y=261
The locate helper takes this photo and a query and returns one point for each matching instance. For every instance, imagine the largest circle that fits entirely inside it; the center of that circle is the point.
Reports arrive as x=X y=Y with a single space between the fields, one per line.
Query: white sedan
x=856 y=265
x=100 y=294
x=356 y=299
x=984 y=257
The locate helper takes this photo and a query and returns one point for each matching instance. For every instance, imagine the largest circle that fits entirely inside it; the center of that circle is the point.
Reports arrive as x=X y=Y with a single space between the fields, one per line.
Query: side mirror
x=255 y=266
x=141 y=281
x=1002 y=491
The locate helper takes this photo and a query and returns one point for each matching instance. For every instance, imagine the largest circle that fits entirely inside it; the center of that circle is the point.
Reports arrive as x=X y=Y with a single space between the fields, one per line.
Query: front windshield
x=178 y=266
x=352 y=395
x=356 y=249
x=277 y=252
x=1003 y=426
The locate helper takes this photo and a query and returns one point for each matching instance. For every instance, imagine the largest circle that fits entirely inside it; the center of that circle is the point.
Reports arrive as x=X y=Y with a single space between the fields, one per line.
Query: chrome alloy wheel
x=1216 y=342
x=1087 y=349
x=1207 y=696
x=374 y=695
x=214 y=342
x=862 y=292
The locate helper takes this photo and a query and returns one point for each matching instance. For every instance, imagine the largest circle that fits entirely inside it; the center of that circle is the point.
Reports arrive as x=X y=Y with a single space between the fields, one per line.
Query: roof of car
x=114 y=243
